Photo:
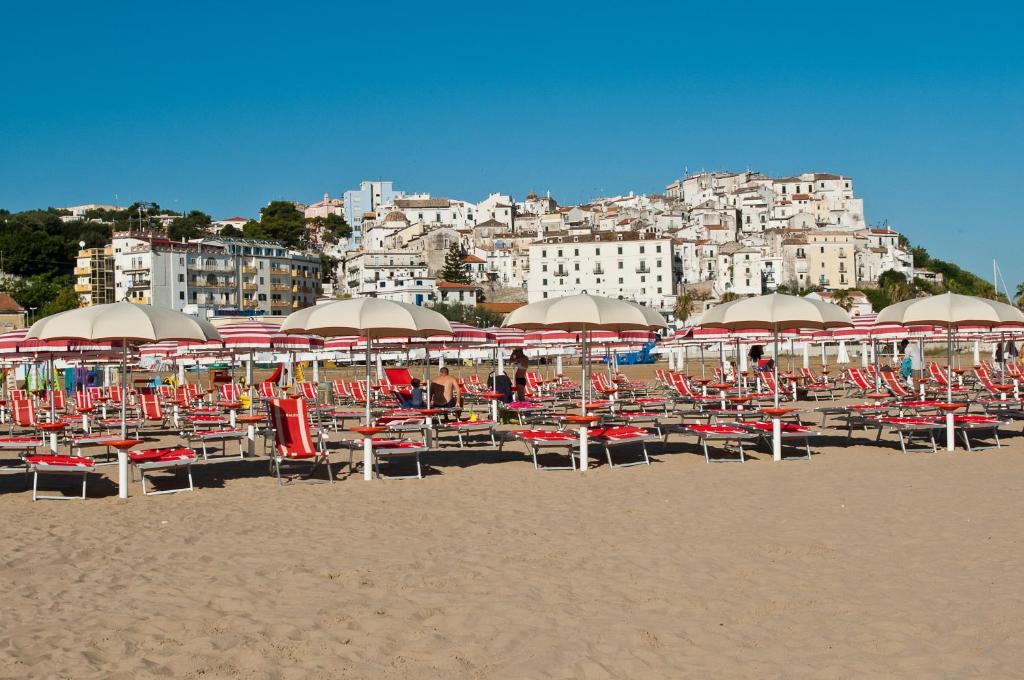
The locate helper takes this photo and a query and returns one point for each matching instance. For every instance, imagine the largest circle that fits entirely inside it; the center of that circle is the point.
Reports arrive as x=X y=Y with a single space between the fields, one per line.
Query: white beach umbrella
x=584 y=313
x=127 y=323
x=951 y=311
x=777 y=313
x=371 y=319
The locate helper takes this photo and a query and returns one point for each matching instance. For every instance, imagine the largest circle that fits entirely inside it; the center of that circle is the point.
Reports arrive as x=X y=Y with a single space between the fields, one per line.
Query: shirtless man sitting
x=448 y=394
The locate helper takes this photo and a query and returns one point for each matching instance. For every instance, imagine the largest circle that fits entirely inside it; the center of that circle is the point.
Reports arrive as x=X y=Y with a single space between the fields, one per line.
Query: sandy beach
x=864 y=562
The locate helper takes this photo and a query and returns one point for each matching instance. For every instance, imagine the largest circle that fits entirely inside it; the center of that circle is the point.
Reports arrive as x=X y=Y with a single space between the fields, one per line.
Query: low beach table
x=949 y=408
x=367 y=432
x=492 y=398
x=53 y=429
x=250 y=422
x=776 y=415
x=582 y=421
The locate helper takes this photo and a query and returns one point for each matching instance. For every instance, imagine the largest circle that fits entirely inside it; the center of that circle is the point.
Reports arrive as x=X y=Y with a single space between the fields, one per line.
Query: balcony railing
x=248 y=270
x=598 y=270
x=250 y=304
x=83 y=271
x=561 y=272
x=139 y=283
x=643 y=269
x=283 y=271
x=279 y=303
x=249 y=286
x=83 y=288
x=279 y=288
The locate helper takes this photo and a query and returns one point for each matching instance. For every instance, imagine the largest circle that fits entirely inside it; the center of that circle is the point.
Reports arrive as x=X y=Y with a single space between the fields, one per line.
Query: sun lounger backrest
x=83 y=401
x=398 y=377
x=894 y=384
x=340 y=388
x=268 y=390
x=937 y=374
x=21 y=395
x=292 y=435
x=22 y=413
x=59 y=399
x=230 y=392
x=151 y=408
x=307 y=390
x=97 y=393
x=859 y=379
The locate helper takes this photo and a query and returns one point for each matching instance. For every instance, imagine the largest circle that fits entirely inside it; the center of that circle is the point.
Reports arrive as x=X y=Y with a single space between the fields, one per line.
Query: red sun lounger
x=175 y=458
x=60 y=466
x=723 y=433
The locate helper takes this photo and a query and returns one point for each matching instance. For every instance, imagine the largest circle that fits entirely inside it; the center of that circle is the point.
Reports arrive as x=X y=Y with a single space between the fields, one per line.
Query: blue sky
x=220 y=108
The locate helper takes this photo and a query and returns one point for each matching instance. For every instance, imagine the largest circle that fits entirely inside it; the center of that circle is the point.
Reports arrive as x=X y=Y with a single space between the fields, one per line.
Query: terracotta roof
x=491 y=223
x=9 y=306
x=472 y=259
x=422 y=203
x=450 y=285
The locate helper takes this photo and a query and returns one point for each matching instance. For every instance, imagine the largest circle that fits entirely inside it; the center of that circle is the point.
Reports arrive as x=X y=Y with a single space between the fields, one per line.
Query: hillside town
x=710 y=236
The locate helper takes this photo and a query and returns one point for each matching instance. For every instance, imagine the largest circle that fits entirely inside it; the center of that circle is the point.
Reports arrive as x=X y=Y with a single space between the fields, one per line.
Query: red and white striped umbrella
x=14 y=342
x=504 y=337
x=257 y=335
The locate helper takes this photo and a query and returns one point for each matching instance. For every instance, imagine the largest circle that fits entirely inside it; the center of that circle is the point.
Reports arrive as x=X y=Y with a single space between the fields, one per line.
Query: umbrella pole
x=122 y=454
x=583 y=373
x=367 y=442
x=776 y=422
x=701 y=361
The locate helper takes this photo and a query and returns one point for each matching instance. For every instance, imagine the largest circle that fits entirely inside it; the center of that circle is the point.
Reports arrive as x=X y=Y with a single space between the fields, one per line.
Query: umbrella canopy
x=257 y=335
x=585 y=312
x=367 y=317
x=129 y=323
x=775 y=312
x=123 y=321
x=951 y=310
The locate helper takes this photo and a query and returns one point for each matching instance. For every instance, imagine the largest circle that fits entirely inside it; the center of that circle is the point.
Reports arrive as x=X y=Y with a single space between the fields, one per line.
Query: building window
x=544 y=282
x=181 y=278
x=641 y=250
x=620 y=250
x=576 y=252
x=657 y=249
x=620 y=280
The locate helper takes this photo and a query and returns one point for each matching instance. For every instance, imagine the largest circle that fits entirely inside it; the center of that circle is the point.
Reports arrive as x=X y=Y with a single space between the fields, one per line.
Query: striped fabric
x=292 y=435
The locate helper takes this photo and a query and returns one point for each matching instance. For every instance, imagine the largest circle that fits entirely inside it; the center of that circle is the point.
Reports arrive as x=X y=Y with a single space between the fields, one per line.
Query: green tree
x=334 y=227
x=229 y=231
x=38 y=291
x=843 y=298
x=475 y=316
x=65 y=299
x=328 y=268
x=455 y=270
x=1018 y=295
x=685 y=302
x=279 y=221
x=728 y=296
x=194 y=225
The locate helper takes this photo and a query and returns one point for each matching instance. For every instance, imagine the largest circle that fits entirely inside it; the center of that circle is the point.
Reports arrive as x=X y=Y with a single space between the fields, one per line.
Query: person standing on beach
x=756 y=352
x=522 y=364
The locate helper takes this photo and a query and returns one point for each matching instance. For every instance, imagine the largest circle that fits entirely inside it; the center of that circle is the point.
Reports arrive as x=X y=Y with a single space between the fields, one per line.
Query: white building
x=629 y=266
x=393 y=275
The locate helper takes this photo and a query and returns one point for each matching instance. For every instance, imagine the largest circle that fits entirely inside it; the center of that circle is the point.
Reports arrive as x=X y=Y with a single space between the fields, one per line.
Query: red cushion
x=203 y=434
x=465 y=423
x=63 y=461
x=975 y=419
x=786 y=427
x=716 y=429
x=95 y=438
x=546 y=435
x=618 y=432
x=907 y=421
x=168 y=454
x=395 y=444
x=19 y=440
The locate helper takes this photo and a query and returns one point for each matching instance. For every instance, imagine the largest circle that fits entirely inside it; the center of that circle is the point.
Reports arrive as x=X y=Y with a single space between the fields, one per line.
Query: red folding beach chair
x=895 y=385
x=293 y=437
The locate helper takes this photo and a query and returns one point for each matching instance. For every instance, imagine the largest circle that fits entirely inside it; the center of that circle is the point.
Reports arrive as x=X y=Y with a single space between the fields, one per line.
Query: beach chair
x=293 y=438
x=790 y=432
x=724 y=434
x=230 y=393
x=267 y=391
x=895 y=385
x=537 y=441
x=684 y=390
x=397 y=378
x=23 y=415
x=464 y=429
x=59 y=399
x=152 y=410
x=938 y=375
x=993 y=391
x=859 y=383
x=17 y=395
x=163 y=460
x=60 y=466
x=907 y=427
x=210 y=428
x=341 y=391
x=623 y=435
x=307 y=391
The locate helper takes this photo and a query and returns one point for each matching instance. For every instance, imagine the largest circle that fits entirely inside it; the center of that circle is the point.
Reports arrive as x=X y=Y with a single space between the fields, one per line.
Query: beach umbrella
x=584 y=313
x=126 y=323
x=372 y=319
x=951 y=311
x=777 y=313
